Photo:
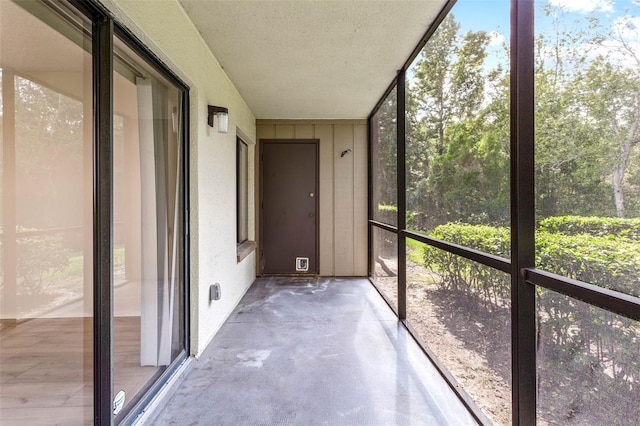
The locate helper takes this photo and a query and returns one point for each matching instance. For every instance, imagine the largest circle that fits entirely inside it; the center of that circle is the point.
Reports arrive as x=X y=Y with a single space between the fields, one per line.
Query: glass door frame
x=105 y=28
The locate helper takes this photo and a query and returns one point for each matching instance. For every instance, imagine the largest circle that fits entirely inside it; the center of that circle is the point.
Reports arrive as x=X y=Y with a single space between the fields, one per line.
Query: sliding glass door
x=92 y=311
x=46 y=282
x=148 y=224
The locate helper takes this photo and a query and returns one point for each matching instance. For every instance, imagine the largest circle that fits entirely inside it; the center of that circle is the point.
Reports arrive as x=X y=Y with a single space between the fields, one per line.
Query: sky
x=494 y=16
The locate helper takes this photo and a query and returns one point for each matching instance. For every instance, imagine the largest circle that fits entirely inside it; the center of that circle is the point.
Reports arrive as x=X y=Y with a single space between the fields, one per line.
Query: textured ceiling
x=311 y=59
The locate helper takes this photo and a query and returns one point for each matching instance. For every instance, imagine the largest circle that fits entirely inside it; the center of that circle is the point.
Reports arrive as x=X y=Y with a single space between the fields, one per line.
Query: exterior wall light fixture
x=223 y=117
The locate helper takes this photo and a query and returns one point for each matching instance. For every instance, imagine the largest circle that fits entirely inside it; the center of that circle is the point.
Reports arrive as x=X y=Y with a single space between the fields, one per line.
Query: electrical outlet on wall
x=214 y=292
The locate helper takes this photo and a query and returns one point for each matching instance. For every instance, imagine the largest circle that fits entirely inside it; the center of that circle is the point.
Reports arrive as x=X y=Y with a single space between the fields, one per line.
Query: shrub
x=582 y=338
x=389 y=214
x=36 y=257
x=460 y=274
x=595 y=226
x=599 y=260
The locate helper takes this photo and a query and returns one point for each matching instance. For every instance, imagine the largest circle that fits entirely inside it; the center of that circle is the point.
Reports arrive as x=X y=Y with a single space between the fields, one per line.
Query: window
x=384 y=195
x=245 y=245
x=242 y=194
x=384 y=164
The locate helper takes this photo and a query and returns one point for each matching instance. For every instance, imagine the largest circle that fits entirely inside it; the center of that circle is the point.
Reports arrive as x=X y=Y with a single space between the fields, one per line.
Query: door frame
x=262 y=143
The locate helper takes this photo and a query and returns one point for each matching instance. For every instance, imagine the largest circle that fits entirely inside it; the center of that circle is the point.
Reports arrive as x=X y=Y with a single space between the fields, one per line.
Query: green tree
x=587 y=115
x=611 y=95
x=433 y=75
x=457 y=148
x=384 y=148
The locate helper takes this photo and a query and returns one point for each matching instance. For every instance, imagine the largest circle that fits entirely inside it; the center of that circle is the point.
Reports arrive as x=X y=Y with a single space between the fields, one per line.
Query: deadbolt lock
x=311 y=195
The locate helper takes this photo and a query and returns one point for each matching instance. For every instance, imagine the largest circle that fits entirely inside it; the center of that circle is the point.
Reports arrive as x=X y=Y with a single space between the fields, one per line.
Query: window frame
x=242 y=191
x=244 y=246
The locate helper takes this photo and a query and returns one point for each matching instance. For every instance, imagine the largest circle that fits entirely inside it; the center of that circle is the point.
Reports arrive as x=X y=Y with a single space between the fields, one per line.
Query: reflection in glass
x=461 y=310
x=384 y=264
x=587 y=81
x=148 y=222
x=457 y=115
x=384 y=162
x=588 y=363
x=46 y=303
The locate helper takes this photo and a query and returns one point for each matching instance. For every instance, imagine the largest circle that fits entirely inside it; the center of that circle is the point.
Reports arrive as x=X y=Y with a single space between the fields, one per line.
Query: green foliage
x=50 y=146
x=601 y=260
x=471 y=177
x=587 y=160
x=587 y=164
x=581 y=337
x=605 y=261
x=388 y=214
x=384 y=147
x=416 y=251
x=490 y=239
x=460 y=274
x=457 y=132
x=37 y=257
x=610 y=94
x=598 y=226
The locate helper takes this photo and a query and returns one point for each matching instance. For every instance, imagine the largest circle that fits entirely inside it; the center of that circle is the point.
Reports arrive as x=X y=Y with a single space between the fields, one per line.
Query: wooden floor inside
x=46 y=369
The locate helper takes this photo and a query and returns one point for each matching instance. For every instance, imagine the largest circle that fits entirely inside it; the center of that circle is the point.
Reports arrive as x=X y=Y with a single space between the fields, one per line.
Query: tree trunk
x=620 y=167
x=618 y=192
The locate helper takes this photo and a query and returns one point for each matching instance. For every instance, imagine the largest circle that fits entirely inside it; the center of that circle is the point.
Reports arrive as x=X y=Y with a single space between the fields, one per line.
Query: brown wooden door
x=289 y=200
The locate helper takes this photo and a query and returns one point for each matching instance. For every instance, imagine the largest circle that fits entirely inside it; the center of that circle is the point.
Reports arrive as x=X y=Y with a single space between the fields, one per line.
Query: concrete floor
x=307 y=351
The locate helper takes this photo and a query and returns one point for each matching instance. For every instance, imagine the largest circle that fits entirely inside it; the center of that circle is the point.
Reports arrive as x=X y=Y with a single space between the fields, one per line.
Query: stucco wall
x=164 y=27
x=343 y=188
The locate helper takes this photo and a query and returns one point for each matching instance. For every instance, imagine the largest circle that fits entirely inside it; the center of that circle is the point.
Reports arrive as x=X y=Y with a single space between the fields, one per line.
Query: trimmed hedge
x=584 y=339
x=460 y=274
x=596 y=226
x=389 y=214
x=604 y=261
x=599 y=260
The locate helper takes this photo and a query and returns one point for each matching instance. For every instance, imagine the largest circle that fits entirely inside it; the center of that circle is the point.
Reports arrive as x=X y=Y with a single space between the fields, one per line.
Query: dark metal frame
x=603 y=298
x=9 y=234
x=523 y=250
x=103 y=214
x=521 y=267
x=401 y=195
